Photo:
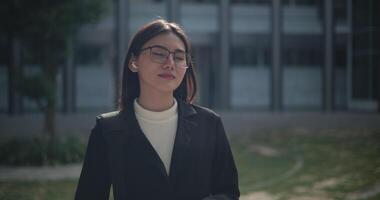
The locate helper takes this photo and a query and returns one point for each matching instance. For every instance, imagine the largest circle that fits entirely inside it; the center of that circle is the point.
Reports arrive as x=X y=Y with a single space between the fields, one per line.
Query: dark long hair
x=130 y=88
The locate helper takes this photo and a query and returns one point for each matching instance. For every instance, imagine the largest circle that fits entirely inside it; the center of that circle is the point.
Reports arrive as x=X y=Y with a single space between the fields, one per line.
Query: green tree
x=46 y=26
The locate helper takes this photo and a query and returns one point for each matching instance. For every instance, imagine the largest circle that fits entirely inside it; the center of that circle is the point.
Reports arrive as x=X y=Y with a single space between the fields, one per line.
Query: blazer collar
x=185 y=109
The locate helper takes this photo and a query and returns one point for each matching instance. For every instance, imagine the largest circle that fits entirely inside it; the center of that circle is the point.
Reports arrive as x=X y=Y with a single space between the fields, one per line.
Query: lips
x=167 y=76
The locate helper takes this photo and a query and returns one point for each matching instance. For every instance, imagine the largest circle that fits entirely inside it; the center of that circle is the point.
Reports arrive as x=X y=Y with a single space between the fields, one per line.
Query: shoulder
x=206 y=113
x=109 y=115
x=110 y=120
x=209 y=120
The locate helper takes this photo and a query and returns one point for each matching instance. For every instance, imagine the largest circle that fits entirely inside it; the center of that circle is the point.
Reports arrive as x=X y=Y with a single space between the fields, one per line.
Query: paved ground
x=235 y=122
x=40 y=173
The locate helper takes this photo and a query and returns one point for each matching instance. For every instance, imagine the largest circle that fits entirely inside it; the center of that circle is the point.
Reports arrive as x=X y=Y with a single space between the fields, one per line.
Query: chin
x=168 y=88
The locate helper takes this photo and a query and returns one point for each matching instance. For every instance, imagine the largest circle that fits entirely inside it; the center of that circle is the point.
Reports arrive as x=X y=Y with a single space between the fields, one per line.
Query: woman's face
x=155 y=72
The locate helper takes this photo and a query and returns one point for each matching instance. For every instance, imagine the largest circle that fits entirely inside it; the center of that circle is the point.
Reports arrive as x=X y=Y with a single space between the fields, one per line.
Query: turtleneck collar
x=155 y=116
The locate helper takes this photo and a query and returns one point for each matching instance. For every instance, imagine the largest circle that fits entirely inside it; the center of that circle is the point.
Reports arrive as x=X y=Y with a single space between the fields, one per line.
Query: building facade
x=280 y=55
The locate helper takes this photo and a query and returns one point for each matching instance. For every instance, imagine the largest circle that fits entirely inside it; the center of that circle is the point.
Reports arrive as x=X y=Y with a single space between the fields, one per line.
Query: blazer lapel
x=141 y=143
x=182 y=140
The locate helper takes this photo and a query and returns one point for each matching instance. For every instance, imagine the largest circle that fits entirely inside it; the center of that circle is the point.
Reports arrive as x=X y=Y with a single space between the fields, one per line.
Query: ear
x=132 y=64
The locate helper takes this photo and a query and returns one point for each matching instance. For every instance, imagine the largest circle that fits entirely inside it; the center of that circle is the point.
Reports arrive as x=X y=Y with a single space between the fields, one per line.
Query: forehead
x=168 y=40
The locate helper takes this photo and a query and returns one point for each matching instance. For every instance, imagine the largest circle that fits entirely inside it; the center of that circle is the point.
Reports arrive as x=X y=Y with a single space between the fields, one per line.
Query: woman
x=158 y=145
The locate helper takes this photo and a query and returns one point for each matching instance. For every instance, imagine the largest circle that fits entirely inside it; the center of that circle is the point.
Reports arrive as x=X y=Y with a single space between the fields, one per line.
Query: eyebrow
x=175 y=50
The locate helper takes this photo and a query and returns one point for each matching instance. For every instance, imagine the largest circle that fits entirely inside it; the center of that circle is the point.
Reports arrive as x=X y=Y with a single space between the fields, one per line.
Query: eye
x=160 y=54
x=180 y=56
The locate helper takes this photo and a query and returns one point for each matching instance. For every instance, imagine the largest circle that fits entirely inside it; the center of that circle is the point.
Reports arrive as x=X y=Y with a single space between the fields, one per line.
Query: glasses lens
x=180 y=58
x=159 y=55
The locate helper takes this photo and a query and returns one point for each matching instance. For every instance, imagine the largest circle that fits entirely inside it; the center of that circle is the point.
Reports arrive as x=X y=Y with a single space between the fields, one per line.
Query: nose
x=170 y=63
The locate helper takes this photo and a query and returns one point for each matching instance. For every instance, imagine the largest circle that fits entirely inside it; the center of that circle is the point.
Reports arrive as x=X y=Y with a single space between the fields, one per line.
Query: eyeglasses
x=160 y=55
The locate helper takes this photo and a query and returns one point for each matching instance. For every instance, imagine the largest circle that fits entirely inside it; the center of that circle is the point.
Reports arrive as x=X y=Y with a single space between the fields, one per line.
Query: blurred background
x=296 y=82
x=249 y=54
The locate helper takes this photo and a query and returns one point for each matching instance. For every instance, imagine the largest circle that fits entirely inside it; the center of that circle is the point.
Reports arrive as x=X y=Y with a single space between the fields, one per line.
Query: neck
x=156 y=102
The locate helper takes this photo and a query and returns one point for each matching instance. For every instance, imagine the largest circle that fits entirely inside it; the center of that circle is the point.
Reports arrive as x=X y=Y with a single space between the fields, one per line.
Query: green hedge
x=39 y=151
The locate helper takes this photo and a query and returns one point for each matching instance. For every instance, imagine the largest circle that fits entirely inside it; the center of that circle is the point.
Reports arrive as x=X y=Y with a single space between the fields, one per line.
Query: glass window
x=260 y=2
x=244 y=56
x=250 y=54
x=200 y=21
x=365 y=50
x=300 y=2
x=340 y=57
x=3 y=76
x=302 y=55
x=200 y=1
x=144 y=11
x=3 y=51
x=340 y=10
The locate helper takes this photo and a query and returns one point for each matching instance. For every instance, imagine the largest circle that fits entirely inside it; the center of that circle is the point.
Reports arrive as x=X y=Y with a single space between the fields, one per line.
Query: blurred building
x=249 y=54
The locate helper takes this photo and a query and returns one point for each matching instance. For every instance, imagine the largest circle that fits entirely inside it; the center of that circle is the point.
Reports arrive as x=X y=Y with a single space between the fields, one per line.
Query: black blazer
x=119 y=154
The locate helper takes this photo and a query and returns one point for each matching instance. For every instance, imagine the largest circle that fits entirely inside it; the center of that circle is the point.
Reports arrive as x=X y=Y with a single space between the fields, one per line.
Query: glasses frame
x=167 y=57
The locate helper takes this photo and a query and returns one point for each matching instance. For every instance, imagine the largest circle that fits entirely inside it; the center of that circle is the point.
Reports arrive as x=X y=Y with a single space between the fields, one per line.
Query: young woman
x=158 y=145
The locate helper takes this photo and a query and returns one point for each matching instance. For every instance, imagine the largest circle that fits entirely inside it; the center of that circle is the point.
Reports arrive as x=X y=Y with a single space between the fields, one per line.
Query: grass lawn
x=275 y=164
x=36 y=190
x=300 y=164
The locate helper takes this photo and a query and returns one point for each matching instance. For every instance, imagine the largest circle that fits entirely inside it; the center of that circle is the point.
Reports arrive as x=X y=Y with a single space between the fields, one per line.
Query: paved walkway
x=235 y=122
x=40 y=173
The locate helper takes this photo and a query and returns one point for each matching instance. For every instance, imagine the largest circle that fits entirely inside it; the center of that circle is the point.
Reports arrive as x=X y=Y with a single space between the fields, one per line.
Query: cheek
x=181 y=76
x=146 y=70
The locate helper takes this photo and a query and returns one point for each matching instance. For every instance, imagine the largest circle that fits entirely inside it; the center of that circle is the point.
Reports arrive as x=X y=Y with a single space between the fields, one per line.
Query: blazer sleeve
x=224 y=173
x=94 y=182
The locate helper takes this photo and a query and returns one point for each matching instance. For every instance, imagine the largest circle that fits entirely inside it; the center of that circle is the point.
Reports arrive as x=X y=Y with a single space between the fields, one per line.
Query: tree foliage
x=44 y=27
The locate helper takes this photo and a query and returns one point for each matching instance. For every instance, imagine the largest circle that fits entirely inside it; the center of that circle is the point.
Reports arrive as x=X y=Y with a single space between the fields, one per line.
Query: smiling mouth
x=167 y=76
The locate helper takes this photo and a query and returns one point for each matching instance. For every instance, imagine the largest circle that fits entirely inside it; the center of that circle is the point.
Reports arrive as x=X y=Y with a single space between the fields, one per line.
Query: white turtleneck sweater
x=160 y=129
